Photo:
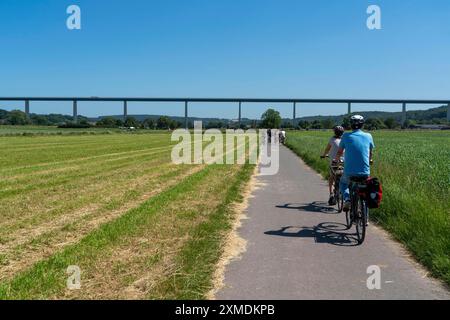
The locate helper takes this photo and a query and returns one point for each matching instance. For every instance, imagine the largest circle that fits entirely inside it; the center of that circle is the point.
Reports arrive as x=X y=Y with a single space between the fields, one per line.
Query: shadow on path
x=328 y=232
x=316 y=207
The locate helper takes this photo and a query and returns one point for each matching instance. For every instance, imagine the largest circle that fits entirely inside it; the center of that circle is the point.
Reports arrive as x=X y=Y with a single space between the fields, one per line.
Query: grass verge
x=198 y=258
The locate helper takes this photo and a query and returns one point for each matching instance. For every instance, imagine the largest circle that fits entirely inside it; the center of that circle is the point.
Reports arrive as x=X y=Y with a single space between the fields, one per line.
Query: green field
x=414 y=168
x=140 y=227
x=137 y=225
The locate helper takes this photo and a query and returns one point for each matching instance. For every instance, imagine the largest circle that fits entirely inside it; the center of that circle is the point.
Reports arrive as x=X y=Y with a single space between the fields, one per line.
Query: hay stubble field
x=115 y=206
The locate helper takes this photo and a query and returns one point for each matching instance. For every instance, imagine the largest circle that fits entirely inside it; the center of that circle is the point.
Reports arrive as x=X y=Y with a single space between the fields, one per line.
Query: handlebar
x=327 y=156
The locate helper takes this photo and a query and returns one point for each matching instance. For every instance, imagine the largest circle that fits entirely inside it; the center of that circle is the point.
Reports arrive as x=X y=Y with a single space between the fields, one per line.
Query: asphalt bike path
x=299 y=248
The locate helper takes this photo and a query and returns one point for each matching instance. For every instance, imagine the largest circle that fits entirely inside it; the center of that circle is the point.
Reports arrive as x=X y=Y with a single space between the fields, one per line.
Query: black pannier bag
x=374 y=193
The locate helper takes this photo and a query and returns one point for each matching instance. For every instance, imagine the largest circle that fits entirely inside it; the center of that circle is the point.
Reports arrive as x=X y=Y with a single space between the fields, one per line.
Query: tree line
x=270 y=119
x=18 y=117
x=163 y=122
x=371 y=124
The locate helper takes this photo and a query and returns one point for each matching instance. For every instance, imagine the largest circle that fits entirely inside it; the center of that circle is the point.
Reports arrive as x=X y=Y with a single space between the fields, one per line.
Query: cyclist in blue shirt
x=358 y=146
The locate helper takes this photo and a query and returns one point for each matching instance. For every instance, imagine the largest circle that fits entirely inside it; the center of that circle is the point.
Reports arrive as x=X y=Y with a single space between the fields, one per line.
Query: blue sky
x=223 y=48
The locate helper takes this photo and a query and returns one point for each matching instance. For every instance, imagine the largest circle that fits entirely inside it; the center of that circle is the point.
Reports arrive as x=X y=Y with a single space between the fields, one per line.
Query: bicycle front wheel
x=340 y=201
x=348 y=216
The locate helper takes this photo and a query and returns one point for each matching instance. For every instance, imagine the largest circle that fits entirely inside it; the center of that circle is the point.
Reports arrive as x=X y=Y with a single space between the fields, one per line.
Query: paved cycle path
x=299 y=248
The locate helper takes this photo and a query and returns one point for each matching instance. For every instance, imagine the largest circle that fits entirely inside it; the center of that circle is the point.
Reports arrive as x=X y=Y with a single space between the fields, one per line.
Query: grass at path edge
x=198 y=259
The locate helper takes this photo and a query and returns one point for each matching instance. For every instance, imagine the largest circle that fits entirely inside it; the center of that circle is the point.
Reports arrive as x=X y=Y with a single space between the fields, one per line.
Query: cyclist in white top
x=331 y=151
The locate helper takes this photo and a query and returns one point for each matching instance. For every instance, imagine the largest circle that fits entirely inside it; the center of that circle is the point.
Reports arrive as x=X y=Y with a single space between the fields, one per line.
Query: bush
x=17 y=117
x=73 y=125
x=109 y=122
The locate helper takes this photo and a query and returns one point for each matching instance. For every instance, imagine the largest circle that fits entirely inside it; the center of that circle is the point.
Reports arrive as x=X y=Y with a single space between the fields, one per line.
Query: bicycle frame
x=334 y=169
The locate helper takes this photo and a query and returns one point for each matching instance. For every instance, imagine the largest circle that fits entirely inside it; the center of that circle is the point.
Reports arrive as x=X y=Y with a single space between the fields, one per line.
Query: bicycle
x=359 y=211
x=337 y=170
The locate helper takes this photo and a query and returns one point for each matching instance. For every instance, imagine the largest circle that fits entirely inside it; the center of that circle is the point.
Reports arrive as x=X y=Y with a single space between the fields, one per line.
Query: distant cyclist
x=282 y=136
x=269 y=136
x=331 y=151
x=358 y=147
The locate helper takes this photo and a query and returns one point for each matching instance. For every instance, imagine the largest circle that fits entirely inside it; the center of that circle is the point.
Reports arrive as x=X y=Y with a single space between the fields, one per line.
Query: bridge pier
x=125 y=110
x=294 y=114
x=448 y=112
x=403 y=114
x=349 y=111
x=27 y=107
x=240 y=113
x=75 y=111
x=186 y=115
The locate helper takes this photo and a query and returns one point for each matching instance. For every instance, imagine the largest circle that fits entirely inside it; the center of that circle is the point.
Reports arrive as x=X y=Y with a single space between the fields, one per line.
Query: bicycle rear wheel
x=361 y=220
x=340 y=202
x=338 y=196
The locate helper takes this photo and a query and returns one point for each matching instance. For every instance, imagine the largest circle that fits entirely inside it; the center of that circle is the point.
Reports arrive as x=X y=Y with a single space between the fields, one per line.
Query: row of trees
x=270 y=119
x=162 y=122
x=17 y=117
x=371 y=124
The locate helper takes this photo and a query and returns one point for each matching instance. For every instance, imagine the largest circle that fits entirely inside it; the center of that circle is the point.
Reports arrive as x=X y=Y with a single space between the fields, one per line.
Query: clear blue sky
x=223 y=48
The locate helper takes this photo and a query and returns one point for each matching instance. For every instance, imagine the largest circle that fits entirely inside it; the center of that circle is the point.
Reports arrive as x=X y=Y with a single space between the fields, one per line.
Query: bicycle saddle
x=359 y=179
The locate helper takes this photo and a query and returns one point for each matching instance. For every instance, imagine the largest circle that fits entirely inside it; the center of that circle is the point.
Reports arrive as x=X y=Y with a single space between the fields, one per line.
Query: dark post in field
x=27 y=107
x=125 y=110
x=186 y=115
x=240 y=113
x=75 y=111
x=403 y=115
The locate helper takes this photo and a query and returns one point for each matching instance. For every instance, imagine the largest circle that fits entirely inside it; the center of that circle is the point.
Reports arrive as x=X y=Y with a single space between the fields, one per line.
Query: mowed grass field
x=414 y=168
x=7 y=130
x=137 y=225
